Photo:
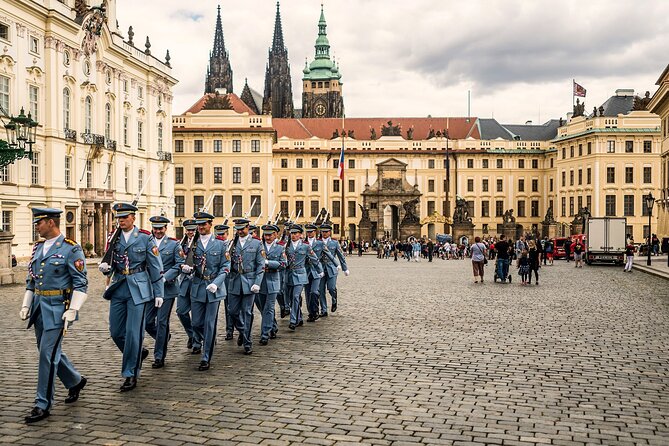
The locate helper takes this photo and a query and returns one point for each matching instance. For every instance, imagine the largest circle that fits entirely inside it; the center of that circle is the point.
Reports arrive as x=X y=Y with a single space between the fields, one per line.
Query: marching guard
x=297 y=253
x=208 y=285
x=136 y=281
x=315 y=271
x=247 y=268
x=183 y=301
x=222 y=234
x=275 y=263
x=158 y=319
x=56 y=289
x=331 y=270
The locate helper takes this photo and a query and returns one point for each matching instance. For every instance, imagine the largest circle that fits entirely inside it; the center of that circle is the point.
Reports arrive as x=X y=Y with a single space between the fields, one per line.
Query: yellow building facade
x=494 y=168
x=104 y=113
x=660 y=106
x=607 y=163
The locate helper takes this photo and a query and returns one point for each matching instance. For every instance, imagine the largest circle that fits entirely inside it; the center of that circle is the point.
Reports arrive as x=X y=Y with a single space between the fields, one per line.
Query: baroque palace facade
x=104 y=112
x=606 y=162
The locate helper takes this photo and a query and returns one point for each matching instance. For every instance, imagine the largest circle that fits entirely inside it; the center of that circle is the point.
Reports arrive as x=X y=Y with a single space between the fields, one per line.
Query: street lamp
x=21 y=131
x=650 y=202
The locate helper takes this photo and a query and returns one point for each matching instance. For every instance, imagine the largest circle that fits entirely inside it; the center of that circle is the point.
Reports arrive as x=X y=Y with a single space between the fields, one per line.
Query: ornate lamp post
x=650 y=202
x=21 y=131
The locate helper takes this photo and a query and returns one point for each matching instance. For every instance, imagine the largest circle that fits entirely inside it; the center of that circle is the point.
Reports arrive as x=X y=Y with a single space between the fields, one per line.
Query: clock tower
x=321 y=83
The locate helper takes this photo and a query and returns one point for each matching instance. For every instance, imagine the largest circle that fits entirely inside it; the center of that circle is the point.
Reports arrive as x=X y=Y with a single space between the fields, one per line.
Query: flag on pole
x=340 y=169
x=579 y=90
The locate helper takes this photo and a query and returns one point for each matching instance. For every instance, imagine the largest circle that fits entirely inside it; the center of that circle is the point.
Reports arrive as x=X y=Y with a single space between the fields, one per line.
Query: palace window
x=314 y=185
x=68 y=171
x=535 y=185
x=521 y=208
x=629 y=174
x=500 y=163
x=610 y=205
x=237 y=204
x=255 y=145
x=236 y=175
x=485 y=185
x=521 y=164
x=535 y=164
x=534 y=208
x=628 y=205
x=88 y=114
x=610 y=175
x=500 y=185
x=197 y=145
x=218 y=175
x=284 y=184
x=521 y=185
x=66 y=108
x=179 y=175
x=257 y=206
x=299 y=208
x=351 y=208
x=198 y=175
x=335 y=185
x=218 y=206
x=647 y=146
x=178 y=146
x=629 y=146
x=7 y=221
x=314 y=163
x=470 y=163
x=336 y=208
x=299 y=163
x=351 y=164
x=351 y=185
x=284 y=163
x=315 y=208
x=236 y=145
x=430 y=164
x=485 y=164
x=108 y=123
x=180 y=207
x=499 y=208
x=611 y=146
x=198 y=203
x=485 y=208
x=34 y=169
x=470 y=185
x=140 y=135
x=298 y=184
x=218 y=146
x=255 y=174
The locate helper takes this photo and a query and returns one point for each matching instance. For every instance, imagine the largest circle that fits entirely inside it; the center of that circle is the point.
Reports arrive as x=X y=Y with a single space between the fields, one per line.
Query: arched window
x=88 y=114
x=160 y=136
x=108 y=120
x=66 y=108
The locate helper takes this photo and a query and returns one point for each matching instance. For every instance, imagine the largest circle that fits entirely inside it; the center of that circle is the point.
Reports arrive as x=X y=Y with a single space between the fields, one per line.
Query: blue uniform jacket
x=138 y=263
x=63 y=267
x=211 y=266
x=321 y=252
x=297 y=258
x=276 y=262
x=329 y=266
x=186 y=279
x=172 y=257
x=247 y=266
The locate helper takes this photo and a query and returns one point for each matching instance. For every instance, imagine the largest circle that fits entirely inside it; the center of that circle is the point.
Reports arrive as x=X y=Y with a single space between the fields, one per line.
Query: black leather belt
x=128 y=272
x=203 y=277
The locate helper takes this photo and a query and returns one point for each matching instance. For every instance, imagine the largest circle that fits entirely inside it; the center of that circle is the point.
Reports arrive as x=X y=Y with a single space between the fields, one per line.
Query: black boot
x=36 y=414
x=73 y=393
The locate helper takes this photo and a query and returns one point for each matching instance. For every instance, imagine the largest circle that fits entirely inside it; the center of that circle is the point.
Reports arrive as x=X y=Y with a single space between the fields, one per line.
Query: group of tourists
x=147 y=272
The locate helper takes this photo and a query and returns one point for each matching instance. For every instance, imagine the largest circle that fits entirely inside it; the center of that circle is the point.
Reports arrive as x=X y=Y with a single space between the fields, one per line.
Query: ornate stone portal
x=391 y=206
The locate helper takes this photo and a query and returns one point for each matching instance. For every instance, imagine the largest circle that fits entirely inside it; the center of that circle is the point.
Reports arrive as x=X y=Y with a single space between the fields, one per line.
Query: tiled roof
x=529 y=132
x=237 y=104
x=324 y=128
x=491 y=129
x=617 y=105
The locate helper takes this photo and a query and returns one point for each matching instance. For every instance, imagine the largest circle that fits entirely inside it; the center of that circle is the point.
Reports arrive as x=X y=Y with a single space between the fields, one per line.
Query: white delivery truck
x=605 y=240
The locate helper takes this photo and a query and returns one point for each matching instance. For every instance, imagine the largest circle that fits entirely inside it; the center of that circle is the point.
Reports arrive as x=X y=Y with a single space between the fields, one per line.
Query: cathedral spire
x=247 y=97
x=278 y=97
x=277 y=41
x=219 y=72
x=322 y=43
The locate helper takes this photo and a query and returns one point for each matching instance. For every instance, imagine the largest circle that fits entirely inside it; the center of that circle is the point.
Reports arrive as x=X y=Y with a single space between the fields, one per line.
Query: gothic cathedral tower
x=219 y=73
x=321 y=86
x=278 y=97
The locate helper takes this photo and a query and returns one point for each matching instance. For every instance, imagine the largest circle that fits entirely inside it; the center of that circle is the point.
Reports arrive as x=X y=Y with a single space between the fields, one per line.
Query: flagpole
x=343 y=174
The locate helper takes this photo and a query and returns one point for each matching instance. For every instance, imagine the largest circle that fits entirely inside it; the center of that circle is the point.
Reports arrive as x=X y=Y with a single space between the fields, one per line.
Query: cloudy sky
x=420 y=57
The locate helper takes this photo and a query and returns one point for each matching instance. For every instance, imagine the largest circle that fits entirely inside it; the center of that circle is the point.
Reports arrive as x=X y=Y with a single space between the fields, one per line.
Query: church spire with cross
x=278 y=95
x=219 y=72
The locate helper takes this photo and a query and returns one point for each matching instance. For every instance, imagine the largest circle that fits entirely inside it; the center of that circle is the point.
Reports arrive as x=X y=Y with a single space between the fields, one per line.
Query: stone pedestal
x=409 y=230
x=509 y=230
x=576 y=228
x=365 y=230
x=462 y=229
x=549 y=230
x=6 y=272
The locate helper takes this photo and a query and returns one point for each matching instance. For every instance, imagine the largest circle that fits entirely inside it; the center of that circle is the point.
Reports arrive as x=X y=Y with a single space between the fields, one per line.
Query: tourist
x=479 y=252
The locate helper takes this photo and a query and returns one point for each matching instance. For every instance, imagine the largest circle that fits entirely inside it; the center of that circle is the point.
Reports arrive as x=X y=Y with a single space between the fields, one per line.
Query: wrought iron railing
x=111 y=144
x=70 y=134
x=164 y=156
x=93 y=139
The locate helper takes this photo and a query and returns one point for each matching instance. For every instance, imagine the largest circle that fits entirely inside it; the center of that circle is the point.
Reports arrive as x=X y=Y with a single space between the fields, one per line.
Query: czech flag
x=340 y=170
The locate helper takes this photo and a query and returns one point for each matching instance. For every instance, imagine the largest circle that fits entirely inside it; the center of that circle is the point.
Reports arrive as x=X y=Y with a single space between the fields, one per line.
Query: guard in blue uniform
x=297 y=252
x=284 y=302
x=208 y=287
x=158 y=319
x=56 y=289
x=275 y=263
x=222 y=234
x=313 y=288
x=183 y=301
x=136 y=281
x=247 y=268
x=331 y=269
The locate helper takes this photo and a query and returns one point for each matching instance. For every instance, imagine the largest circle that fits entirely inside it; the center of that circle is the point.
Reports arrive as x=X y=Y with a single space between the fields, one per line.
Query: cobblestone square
x=416 y=353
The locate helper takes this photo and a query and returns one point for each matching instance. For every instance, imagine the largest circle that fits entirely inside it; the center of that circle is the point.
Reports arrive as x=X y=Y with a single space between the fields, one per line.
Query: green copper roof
x=322 y=68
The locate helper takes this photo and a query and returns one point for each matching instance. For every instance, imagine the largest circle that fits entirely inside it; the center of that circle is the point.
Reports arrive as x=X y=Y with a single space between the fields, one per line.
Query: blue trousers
x=295 y=294
x=240 y=307
x=502 y=268
x=52 y=362
x=313 y=292
x=266 y=304
x=183 y=311
x=126 y=326
x=205 y=318
x=331 y=284
x=158 y=327
x=229 y=325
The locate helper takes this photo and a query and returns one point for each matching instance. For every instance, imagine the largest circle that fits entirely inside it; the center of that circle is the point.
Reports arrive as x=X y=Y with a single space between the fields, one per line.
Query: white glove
x=158 y=302
x=104 y=267
x=338 y=267
x=321 y=275
x=186 y=269
x=347 y=272
x=212 y=287
x=78 y=299
x=25 y=306
x=255 y=288
x=266 y=262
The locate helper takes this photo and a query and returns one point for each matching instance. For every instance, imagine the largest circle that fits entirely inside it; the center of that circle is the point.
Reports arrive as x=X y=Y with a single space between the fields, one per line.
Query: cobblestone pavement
x=416 y=353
